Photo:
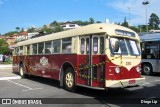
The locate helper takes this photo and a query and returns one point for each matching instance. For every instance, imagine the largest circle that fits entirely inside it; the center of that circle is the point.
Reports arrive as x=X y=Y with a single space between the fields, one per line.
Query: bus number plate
x=132 y=81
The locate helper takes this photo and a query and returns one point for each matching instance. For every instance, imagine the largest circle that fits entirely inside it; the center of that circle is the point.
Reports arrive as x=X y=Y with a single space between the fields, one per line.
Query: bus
x=150 y=47
x=97 y=56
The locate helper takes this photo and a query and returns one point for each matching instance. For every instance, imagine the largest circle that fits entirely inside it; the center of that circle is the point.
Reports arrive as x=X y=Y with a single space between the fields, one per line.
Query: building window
x=66 y=45
x=56 y=46
x=48 y=47
x=40 y=48
x=34 y=49
x=82 y=45
x=71 y=25
x=95 y=45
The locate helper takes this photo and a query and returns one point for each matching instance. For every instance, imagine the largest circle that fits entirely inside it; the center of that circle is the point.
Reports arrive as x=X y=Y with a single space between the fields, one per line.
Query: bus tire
x=21 y=72
x=147 y=69
x=69 y=80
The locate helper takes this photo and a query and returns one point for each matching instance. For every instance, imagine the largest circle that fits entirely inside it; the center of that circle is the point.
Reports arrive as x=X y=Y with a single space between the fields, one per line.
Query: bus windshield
x=124 y=46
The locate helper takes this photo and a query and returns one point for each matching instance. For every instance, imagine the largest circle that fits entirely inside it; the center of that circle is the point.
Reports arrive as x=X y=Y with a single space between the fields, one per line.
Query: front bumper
x=124 y=83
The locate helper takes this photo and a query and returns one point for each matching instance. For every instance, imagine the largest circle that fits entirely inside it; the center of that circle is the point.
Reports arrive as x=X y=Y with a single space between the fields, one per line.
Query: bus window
x=87 y=46
x=40 y=48
x=101 y=45
x=34 y=47
x=82 y=45
x=133 y=48
x=16 y=50
x=28 y=50
x=95 y=45
x=66 y=45
x=56 y=46
x=48 y=47
x=118 y=46
x=21 y=50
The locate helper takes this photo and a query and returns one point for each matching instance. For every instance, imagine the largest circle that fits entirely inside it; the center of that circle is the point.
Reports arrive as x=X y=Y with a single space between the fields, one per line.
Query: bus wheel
x=147 y=69
x=21 y=72
x=69 y=80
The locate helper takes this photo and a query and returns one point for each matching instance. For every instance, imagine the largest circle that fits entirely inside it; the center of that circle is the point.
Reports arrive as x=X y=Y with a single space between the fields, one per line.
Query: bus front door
x=84 y=72
x=90 y=57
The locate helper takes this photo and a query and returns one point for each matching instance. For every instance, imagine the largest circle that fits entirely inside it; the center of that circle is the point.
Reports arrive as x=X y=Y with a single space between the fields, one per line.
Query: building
x=22 y=36
x=69 y=25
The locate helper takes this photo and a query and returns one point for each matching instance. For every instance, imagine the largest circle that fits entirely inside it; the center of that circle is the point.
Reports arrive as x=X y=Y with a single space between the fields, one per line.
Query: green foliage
x=134 y=28
x=8 y=61
x=91 y=20
x=47 y=30
x=31 y=30
x=57 y=29
x=154 y=21
x=10 y=33
x=17 y=28
x=54 y=23
x=98 y=22
x=125 y=23
x=4 y=47
x=81 y=23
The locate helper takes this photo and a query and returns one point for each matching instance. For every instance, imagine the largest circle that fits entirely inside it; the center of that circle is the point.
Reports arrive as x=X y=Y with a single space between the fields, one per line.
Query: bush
x=8 y=61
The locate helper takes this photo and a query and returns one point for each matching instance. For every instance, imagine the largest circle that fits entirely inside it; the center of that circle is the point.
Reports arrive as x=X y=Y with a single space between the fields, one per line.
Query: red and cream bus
x=97 y=56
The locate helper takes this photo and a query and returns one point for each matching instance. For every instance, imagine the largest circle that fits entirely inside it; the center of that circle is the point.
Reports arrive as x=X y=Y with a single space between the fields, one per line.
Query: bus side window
x=48 y=47
x=102 y=45
x=82 y=45
x=56 y=46
x=41 y=48
x=87 y=46
x=95 y=45
x=21 y=50
x=16 y=51
x=66 y=45
x=28 y=50
x=34 y=49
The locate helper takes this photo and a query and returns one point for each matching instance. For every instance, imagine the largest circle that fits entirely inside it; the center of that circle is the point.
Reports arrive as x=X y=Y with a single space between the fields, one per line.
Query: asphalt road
x=36 y=87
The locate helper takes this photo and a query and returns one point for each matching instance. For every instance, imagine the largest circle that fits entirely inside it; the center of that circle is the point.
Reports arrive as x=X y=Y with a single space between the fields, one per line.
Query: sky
x=28 y=13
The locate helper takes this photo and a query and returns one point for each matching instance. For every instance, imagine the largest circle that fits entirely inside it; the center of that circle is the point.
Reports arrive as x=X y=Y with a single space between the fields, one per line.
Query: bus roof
x=85 y=30
x=150 y=37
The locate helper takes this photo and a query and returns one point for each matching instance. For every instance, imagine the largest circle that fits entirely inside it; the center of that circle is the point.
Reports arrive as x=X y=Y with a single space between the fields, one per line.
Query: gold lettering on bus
x=44 y=61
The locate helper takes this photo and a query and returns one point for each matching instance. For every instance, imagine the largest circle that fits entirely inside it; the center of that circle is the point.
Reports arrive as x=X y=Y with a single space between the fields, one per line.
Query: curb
x=10 y=78
x=5 y=66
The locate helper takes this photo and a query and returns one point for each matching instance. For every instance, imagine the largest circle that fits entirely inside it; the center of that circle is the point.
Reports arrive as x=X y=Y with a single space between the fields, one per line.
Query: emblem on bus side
x=44 y=61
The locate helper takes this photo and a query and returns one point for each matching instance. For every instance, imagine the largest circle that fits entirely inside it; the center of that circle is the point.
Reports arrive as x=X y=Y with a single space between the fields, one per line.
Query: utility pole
x=146 y=3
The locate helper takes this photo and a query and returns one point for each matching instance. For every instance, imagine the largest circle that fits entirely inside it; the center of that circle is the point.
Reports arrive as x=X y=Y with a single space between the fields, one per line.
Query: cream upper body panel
x=109 y=29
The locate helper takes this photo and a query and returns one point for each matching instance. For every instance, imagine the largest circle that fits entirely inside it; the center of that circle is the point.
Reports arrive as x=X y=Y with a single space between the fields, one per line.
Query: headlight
x=138 y=69
x=117 y=70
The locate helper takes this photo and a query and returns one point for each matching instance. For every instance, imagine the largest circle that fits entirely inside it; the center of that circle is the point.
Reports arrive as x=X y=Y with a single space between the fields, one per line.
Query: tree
x=54 y=23
x=57 y=29
x=32 y=29
x=98 y=22
x=47 y=30
x=17 y=28
x=154 y=21
x=91 y=20
x=10 y=33
x=125 y=23
x=4 y=47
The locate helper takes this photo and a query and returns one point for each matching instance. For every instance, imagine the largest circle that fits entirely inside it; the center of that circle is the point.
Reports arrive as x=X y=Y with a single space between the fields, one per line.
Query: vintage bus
x=150 y=46
x=98 y=56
